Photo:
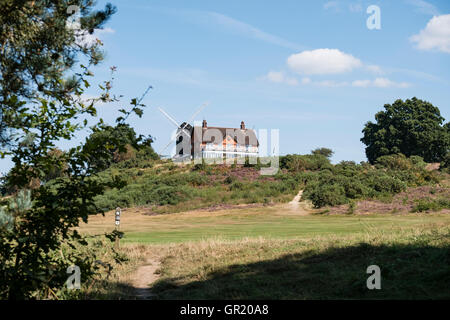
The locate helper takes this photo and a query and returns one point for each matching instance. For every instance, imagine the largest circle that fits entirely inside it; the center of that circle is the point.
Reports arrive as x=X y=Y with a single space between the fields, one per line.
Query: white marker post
x=118 y=212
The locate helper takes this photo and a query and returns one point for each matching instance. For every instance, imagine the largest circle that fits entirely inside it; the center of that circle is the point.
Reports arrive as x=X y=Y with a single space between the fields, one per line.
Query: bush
x=445 y=164
x=323 y=151
x=400 y=162
x=196 y=179
x=433 y=205
x=360 y=181
x=229 y=179
x=383 y=183
x=310 y=162
x=323 y=195
x=165 y=195
x=237 y=185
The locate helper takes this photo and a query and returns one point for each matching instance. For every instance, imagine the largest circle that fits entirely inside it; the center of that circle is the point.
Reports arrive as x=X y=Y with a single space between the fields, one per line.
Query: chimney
x=204 y=124
x=242 y=125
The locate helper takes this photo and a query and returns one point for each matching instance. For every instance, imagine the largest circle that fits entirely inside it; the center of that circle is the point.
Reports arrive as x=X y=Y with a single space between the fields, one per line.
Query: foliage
x=40 y=110
x=41 y=41
x=445 y=164
x=326 y=194
x=29 y=264
x=431 y=205
x=119 y=143
x=348 y=181
x=323 y=151
x=411 y=127
x=294 y=162
x=165 y=189
x=400 y=162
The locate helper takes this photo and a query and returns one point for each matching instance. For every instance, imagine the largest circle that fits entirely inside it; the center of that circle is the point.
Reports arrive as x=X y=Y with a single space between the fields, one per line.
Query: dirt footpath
x=300 y=207
x=144 y=277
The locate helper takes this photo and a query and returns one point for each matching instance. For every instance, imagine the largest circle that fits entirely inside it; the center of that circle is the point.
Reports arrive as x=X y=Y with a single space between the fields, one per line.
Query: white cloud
x=385 y=83
x=275 y=76
x=330 y=83
x=424 y=7
x=329 y=62
x=375 y=69
x=280 y=77
x=322 y=61
x=361 y=83
x=436 y=35
x=306 y=80
x=380 y=83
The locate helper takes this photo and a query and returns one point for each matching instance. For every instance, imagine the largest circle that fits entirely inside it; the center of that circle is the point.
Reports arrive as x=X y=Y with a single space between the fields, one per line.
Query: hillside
x=394 y=184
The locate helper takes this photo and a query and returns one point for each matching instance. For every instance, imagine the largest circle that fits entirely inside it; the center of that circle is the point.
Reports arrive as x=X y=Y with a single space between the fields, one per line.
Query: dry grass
x=315 y=268
x=117 y=284
x=208 y=255
x=279 y=221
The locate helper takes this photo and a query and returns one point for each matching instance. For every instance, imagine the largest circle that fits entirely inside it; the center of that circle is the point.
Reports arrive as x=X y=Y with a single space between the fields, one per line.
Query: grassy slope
x=168 y=188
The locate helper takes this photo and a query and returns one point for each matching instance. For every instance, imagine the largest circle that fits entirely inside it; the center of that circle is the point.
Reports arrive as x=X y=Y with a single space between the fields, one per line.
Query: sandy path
x=295 y=202
x=300 y=208
x=144 y=277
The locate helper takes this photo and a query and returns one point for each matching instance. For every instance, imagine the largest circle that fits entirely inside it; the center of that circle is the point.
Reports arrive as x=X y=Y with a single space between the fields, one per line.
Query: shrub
x=381 y=182
x=400 y=162
x=196 y=179
x=237 y=185
x=434 y=205
x=323 y=151
x=445 y=164
x=355 y=189
x=229 y=179
x=304 y=162
x=165 y=195
x=323 y=195
x=357 y=181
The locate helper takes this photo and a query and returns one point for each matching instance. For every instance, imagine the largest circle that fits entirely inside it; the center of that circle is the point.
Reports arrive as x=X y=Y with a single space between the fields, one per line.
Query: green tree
x=411 y=127
x=39 y=42
x=41 y=110
x=115 y=141
x=323 y=151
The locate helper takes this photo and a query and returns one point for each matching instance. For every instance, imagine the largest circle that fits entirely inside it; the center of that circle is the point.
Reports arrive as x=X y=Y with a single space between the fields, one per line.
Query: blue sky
x=311 y=69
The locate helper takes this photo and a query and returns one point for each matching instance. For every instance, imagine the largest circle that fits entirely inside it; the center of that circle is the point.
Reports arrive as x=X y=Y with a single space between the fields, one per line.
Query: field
x=277 y=222
x=414 y=264
x=279 y=252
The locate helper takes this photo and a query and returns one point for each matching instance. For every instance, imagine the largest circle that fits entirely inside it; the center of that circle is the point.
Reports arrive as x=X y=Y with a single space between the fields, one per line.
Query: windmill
x=184 y=128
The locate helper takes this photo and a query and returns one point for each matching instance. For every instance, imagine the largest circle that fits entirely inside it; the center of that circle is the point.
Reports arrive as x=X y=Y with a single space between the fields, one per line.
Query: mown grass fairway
x=270 y=222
